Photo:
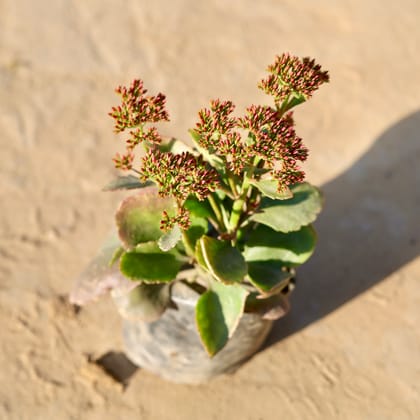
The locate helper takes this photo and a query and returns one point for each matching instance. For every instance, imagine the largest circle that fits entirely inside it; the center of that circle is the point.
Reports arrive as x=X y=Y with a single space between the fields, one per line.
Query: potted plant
x=206 y=248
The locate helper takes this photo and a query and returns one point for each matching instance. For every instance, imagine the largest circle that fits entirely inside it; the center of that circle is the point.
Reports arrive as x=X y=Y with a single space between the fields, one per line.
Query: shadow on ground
x=370 y=227
x=116 y=365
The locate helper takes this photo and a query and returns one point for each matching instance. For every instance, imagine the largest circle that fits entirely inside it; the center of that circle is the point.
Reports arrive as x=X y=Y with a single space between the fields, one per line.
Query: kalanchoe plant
x=234 y=206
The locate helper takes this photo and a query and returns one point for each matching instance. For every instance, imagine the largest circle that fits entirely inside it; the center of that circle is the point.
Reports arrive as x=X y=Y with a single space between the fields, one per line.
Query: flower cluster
x=235 y=152
x=149 y=136
x=271 y=137
x=182 y=219
x=258 y=118
x=214 y=123
x=275 y=137
x=289 y=174
x=275 y=141
x=124 y=162
x=215 y=132
x=179 y=175
x=231 y=152
x=292 y=76
x=135 y=111
x=137 y=108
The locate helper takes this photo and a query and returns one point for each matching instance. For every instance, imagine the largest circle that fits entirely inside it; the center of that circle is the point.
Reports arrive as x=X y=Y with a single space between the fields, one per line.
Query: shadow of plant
x=369 y=228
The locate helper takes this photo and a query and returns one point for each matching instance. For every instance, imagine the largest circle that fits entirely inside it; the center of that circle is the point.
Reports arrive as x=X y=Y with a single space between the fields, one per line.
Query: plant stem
x=238 y=205
x=232 y=185
x=225 y=216
x=215 y=224
x=190 y=251
x=283 y=107
x=136 y=171
x=226 y=190
x=236 y=214
x=216 y=210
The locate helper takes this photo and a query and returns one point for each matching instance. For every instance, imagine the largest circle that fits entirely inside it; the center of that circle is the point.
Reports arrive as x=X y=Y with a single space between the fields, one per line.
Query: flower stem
x=237 y=210
x=232 y=185
x=188 y=248
x=226 y=190
x=239 y=204
x=216 y=210
x=136 y=171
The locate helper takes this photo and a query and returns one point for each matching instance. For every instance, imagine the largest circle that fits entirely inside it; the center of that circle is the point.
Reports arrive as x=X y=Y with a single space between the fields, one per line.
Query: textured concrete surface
x=350 y=348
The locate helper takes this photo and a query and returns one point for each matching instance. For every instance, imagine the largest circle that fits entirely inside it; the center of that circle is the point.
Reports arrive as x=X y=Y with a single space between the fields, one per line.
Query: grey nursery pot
x=170 y=346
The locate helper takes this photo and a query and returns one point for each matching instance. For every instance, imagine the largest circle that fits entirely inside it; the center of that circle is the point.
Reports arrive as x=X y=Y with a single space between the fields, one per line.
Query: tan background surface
x=350 y=349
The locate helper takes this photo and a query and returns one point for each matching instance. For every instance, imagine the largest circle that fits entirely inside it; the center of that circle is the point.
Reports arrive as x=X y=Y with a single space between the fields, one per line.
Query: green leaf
x=290 y=215
x=150 y=247
x=126 y=182
x=268 y=276
x=174 y=145
x=194 y=135
x=198 y=208
x=221 y=195
x=170 y=239
x=297 y=99
x=116 y=255
x=138 y=217
x=269 y=188
x=251 y=139
x=199 y=256
x=149 y=264
x=294 y=248
x=223 y=261
x=146 y=302
x=214 y=160
x=260 y=171
x=218 y=312
x=198 y=228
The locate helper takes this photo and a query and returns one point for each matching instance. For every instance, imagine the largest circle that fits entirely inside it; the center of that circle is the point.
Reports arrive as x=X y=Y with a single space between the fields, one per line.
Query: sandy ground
x=350 y=349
